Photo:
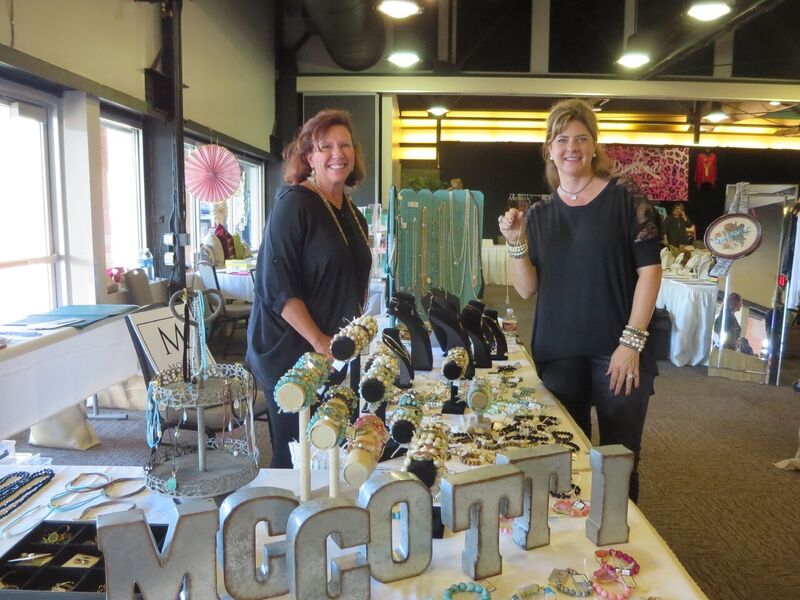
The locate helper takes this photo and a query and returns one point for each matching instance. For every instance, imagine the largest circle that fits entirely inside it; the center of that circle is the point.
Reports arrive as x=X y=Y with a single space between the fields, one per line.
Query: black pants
x=283 y=428
x=579 y=383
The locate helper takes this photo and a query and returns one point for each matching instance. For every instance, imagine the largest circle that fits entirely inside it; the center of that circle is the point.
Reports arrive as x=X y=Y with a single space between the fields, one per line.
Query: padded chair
x=138 y=285
x=159 y=318
x=233 y=313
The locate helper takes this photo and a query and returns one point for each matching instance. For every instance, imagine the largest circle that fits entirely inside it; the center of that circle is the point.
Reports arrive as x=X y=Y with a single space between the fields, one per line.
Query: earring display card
x=58 y=557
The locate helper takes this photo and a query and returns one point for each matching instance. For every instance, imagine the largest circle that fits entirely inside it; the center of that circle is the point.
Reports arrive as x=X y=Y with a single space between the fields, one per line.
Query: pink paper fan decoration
x=212 y=173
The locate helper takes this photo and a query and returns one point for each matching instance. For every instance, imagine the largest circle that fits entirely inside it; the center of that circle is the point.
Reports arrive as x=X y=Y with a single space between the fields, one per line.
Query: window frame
x=54 y=202
x=125 y=122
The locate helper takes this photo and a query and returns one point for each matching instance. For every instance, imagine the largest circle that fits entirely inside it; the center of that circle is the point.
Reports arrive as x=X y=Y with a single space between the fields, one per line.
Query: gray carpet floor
x=708 y=484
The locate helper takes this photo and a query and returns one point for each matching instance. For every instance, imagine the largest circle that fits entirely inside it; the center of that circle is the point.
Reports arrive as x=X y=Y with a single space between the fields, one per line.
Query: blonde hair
x=560 y=116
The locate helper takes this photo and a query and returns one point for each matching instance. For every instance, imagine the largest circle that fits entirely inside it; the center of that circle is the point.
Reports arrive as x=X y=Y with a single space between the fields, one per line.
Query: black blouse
x=303 y=256
x=586 y=259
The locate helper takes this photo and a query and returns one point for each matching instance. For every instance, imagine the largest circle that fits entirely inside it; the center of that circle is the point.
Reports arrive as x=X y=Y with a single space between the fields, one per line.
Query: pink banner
x=662 y=172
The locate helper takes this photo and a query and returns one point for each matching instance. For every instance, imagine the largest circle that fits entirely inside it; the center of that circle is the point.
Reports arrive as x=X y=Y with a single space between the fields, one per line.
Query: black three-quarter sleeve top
x=586 y=259
x=303 y=256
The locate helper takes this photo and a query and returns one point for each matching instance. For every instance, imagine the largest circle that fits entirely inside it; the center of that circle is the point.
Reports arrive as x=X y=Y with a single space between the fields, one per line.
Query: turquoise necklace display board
x=438 y=242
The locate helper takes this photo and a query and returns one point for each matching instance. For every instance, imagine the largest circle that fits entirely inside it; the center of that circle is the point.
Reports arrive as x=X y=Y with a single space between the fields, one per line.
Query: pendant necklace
x=574 y=195
x=327 y=202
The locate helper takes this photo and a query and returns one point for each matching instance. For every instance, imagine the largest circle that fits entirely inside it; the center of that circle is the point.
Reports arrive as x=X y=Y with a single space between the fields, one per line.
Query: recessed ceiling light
x=404 y=59
x=399 y=9
x=774 y=103
x=708 y=10
x=438 y=110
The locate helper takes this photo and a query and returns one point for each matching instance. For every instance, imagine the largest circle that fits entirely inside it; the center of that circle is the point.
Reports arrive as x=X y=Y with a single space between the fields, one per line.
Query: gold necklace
x=345 y=200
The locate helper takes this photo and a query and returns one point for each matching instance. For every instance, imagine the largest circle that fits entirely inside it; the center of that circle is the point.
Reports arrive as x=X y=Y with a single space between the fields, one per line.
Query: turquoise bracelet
x=476 y=588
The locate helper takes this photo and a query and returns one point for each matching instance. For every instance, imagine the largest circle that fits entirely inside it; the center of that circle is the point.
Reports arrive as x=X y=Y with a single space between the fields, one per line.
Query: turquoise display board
x=438 y=242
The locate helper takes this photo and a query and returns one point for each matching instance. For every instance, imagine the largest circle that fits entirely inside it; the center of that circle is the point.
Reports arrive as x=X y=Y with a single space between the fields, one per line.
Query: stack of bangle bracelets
x=365 y=443
x=406 y=418
x=455 y=363
x=429 y=444
x=377 y=381
x=328 y=424
x=56 y=502
x=354 y=337
x=634 y=338
x=297 y=389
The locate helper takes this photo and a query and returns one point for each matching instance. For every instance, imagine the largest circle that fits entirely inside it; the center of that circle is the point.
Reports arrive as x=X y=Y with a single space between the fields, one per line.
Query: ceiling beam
x=725 y=91
x=695 y=40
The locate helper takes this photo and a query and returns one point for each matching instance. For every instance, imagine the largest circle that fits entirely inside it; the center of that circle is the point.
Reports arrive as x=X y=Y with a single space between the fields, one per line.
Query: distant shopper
x=678 y=229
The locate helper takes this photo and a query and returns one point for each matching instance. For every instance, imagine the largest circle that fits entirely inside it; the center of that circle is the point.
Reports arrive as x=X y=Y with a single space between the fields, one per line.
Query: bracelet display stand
x=403 y=307
x=455 y=367
x=454 y=334
x=499 y=345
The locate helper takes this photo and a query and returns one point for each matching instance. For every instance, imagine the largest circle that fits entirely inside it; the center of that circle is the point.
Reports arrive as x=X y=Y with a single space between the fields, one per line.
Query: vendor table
x=493 y=260
x=691 y=305
x=42 y=375
x=236 y=285
x=661 y=573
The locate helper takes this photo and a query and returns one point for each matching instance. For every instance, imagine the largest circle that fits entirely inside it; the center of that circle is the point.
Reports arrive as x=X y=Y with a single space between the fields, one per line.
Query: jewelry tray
x=35 y=581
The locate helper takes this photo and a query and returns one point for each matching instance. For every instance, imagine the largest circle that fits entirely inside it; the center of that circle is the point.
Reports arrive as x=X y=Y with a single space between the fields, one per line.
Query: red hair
x=296 y=168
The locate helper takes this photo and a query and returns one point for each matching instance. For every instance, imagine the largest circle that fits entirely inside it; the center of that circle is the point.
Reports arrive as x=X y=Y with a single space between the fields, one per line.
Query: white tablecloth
x=236 y=285
x=691 y=305
x=661 y=574
x=39 y=378
x=493 y=259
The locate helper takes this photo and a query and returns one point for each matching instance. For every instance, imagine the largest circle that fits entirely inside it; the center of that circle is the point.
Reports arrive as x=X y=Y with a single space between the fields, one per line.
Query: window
x=123 y=200
x=245 y=207
x=27 y=250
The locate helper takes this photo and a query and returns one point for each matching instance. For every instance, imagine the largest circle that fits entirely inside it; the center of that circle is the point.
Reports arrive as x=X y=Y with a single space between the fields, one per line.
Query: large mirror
x=750 y=321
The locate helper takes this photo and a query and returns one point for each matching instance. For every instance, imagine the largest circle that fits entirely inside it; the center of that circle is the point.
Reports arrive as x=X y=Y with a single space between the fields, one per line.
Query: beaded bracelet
x=518 y=250
x=369 y=435
x=608 y=556
x=583 y=587
x=429 y=443
x=475 y=588
x=604 y=593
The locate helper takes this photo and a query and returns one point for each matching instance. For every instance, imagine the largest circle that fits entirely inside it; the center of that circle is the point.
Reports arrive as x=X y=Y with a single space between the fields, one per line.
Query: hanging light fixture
x=404 y=58
x=399 y=9
x=716 y=114
x=438 y=110
x=635 y=55
x=708 y=10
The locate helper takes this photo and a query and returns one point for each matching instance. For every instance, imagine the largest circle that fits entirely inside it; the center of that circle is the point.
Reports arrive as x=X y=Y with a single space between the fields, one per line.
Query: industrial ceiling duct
x=353 y=33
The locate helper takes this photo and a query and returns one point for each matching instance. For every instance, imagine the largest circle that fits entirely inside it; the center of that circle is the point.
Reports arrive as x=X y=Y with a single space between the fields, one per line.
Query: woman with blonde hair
x=591 y=254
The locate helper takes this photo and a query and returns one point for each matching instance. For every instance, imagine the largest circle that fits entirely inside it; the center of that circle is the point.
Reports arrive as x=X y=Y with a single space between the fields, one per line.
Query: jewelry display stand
x=471 y=319
x=499 y=344
x=391 y=337
x=454 y=335
x=456 y=366
x=214 y=465
x=403 y=307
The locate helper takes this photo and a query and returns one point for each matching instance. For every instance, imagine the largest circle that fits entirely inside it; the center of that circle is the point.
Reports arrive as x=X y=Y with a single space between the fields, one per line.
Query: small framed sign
x=734 y=235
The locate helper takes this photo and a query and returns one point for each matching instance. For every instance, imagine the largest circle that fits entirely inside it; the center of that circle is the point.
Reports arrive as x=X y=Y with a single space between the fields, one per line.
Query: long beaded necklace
x=414 y=236
x=574 y=195
x=440 y=210
x=423 y=248
x=349 y=204
x=458 y=258
x=23 y=488
x=474 y=262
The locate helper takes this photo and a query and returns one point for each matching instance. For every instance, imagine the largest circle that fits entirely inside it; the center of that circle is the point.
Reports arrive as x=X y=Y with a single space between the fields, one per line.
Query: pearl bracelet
x=518 y=250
